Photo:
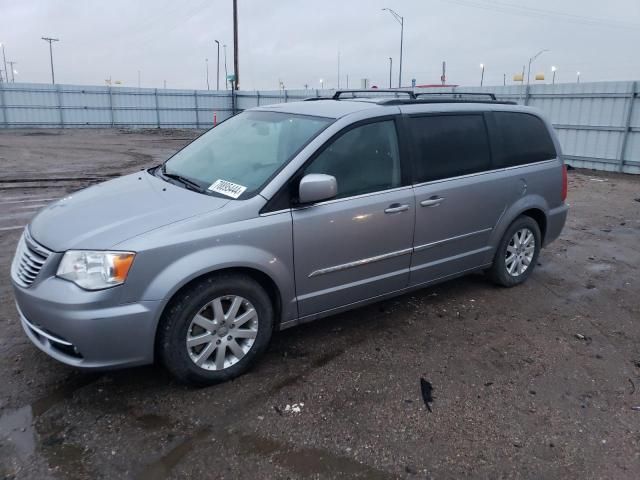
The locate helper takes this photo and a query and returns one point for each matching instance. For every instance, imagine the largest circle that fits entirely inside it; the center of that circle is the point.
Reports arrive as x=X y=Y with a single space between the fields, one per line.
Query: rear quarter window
x=521 y=138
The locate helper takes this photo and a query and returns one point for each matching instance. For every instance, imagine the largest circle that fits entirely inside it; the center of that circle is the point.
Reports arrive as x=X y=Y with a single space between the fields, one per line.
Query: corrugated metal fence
x=598 y=123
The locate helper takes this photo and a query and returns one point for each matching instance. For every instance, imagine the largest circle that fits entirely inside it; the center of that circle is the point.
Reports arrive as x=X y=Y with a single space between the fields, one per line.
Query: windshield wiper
x=191 y=185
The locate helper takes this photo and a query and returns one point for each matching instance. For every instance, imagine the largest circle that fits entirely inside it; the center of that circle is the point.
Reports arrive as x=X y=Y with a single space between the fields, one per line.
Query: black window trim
x=275 y=204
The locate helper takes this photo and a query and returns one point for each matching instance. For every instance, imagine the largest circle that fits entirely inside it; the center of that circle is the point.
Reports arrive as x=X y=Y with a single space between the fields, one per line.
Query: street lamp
x=218 y=67
x=578 y=77
x=13 y=71
x=553 y=69
x=4 y=59
x=226 y=75
x=390 y=70
x=206 y=61
x=482 y=74
x=400 y=20
x=531 y=60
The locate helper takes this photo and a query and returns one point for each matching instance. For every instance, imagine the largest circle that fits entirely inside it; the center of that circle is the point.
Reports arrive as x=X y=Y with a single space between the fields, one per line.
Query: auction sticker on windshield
x=227 y=188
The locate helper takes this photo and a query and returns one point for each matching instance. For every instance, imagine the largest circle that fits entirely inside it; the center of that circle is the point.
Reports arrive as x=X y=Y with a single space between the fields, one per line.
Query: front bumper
x=82 y=329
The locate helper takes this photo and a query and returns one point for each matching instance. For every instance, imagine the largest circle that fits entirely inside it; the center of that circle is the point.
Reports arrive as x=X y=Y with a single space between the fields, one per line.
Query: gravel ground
x=538 y=381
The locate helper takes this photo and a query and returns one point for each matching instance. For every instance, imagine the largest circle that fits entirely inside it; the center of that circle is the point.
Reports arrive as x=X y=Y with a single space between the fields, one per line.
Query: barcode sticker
x=227 y=188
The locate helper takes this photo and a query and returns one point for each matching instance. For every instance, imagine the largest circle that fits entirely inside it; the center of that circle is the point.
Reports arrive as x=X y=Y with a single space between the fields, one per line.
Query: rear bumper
x=556 y=218
x=86 y=333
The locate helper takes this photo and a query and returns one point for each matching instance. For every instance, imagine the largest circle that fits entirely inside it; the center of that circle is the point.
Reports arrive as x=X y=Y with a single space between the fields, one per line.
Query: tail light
x=564 y=183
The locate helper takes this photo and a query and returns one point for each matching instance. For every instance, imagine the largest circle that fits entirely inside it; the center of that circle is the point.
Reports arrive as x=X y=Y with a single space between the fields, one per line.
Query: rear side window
x=449 y=146
x=521 y=138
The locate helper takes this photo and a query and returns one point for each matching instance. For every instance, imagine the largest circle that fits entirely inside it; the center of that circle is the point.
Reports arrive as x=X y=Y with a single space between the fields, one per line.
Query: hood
x=111 y=212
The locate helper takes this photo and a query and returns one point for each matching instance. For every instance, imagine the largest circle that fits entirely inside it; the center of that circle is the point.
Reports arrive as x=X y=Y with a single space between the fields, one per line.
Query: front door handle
x=396 y=208
x=432 y=202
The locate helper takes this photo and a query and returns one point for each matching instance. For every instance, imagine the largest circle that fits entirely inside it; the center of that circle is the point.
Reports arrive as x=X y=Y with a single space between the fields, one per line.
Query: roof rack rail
x=458 y=95
x=338 y=93
x=418 y=101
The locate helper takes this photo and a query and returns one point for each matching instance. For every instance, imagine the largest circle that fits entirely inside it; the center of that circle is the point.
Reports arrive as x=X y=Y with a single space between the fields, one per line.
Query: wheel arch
x=259 y=276
x=533 y=206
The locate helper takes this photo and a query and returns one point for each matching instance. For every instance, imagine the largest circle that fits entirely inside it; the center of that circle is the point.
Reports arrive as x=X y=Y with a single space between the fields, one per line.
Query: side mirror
x=316 y=187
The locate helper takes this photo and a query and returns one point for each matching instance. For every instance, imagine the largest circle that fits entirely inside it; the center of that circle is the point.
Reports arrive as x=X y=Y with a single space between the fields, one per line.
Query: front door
x=358 y=245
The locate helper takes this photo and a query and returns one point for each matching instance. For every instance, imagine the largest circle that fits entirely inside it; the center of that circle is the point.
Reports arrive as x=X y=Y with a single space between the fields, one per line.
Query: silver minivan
x=284 y=214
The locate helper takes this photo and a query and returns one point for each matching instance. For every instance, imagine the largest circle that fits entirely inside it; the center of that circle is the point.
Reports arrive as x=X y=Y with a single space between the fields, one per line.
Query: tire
x=203 y=314
x=506 y=272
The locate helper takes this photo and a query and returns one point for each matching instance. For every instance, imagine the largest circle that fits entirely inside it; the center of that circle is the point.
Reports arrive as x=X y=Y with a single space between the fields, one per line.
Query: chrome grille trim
x=29 y=259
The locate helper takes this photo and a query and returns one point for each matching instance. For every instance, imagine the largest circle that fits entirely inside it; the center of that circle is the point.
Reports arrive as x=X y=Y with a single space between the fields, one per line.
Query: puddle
x=163 y=467
x=304 y=462
x=308 y=462
x=152 y=421
x=17 y=427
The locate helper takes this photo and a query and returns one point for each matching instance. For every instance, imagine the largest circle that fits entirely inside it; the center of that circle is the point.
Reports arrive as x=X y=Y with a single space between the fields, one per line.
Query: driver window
x=365 y=159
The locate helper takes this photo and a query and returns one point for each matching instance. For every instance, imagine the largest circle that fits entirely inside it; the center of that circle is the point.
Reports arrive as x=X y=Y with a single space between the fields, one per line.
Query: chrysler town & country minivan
x=284 y=214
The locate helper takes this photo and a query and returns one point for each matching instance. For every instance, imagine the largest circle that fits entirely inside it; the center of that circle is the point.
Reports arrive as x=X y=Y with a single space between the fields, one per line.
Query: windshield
x=238 y=156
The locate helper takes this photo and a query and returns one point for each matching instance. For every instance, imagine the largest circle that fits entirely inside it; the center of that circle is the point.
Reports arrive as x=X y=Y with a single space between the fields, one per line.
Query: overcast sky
x=298 y=41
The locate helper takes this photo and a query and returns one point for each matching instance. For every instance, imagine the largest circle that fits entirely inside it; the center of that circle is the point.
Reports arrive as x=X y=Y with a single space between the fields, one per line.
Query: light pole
x=400 y=20
x=4 y=59
x=236 y=63
x=50 y=40
x=206 y=60
x=482 y=74
x=531 y=60
x=226 y=75
x=553 y=81
x=578 y=75
x=390 y=70
x=11 y=64
x=218 y=67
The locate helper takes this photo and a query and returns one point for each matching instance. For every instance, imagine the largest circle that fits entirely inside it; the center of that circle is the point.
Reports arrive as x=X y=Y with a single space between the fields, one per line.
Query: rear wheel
x=216 y=329
x=517 y=253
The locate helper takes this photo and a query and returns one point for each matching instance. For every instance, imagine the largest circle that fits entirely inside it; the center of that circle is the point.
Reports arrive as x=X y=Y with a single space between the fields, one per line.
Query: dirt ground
x=538 y=381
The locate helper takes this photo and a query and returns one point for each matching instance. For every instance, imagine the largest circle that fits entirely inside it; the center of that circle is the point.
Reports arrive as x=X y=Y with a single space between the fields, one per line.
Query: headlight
x=93 y=270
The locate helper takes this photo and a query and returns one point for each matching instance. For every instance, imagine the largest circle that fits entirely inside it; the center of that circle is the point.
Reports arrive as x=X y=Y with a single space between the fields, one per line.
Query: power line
x=503 y=7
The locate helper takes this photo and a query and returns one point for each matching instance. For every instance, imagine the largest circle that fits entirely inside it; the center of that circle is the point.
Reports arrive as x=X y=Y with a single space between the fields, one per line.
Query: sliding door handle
x=396 y=208
x=432 y=202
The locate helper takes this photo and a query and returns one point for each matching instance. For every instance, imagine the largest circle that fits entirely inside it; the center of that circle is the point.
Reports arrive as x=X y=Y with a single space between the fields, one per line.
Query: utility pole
x=11 y=64
x=206 y=60
x=226 y=75
x=482 y=75
x=235 y=45
x=4 y=59
x=504 y=79
x=390 y=70
x=50 y=40
x=218 y=67
x=400 y=20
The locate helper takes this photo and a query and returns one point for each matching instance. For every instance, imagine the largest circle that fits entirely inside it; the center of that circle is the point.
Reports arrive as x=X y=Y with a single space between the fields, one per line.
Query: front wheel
x=216 y=329
x=517 y=253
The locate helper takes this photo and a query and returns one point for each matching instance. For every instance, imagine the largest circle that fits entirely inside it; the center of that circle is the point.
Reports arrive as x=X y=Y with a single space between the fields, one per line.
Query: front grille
x=29 y=259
